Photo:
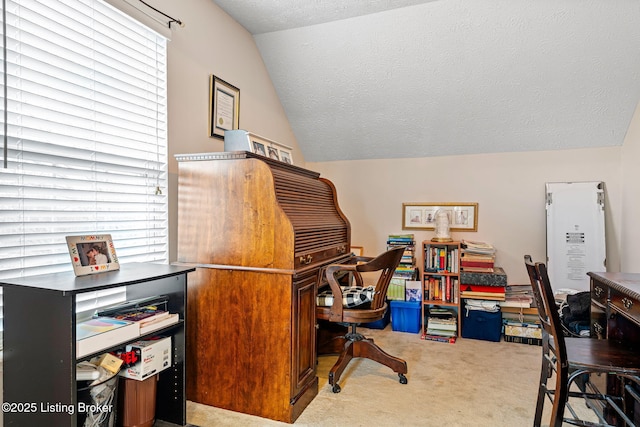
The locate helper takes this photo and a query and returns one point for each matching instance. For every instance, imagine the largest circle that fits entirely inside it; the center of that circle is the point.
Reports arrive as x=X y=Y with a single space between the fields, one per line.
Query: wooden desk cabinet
x=258 y=231
x=40 y=348
x=615 y=315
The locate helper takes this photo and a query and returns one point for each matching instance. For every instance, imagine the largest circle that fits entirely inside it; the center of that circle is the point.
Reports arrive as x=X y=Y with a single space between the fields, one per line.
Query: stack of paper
x=103 y=332
x=477 y=257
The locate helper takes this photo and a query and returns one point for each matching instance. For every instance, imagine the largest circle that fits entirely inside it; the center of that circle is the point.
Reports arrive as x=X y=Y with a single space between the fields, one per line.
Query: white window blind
x=84 y=135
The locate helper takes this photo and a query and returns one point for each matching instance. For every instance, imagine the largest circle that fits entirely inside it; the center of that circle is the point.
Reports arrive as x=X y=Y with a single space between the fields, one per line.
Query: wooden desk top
x=626 y=283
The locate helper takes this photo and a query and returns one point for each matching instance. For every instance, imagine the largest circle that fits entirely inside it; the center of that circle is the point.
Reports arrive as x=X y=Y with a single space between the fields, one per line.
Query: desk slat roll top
x=289 y=214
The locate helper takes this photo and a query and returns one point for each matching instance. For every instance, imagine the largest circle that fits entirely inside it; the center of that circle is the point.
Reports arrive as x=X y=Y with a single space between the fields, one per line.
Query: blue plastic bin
x=482 y=325
x=405 y=316
x=379 y=324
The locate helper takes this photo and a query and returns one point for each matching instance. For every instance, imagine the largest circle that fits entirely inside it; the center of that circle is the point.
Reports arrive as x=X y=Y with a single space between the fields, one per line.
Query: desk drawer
x=625 y=305
x=599 y=293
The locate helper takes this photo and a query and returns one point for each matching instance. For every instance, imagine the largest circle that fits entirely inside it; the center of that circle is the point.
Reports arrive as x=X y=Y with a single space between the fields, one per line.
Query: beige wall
x=509 y=188
x=630 y=224
x=211 y=42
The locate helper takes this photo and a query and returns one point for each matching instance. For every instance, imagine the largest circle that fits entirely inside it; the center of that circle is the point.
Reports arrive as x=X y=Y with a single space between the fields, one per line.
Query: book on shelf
x=438 y=338
x=482 y=296
x=470 y=256
x=441 y=258
x=442 y=332
x=441 y=322
x=103 y=332
x=441 y=288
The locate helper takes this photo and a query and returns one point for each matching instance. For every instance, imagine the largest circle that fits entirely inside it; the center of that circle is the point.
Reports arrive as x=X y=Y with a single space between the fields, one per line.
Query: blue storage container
x=379 y=324
x=405 y=316
x=482 y=325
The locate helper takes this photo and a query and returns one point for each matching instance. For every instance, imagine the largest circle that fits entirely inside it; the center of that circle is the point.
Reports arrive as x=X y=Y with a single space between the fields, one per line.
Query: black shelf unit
x=40 y=339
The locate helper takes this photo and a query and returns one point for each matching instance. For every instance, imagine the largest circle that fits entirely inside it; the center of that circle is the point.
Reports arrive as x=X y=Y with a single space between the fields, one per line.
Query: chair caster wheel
x=403 y=379
x=336 y=388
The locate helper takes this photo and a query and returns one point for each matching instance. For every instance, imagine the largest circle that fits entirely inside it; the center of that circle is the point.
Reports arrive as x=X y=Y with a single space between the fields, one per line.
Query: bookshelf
x=40 y=333
x=440 y=279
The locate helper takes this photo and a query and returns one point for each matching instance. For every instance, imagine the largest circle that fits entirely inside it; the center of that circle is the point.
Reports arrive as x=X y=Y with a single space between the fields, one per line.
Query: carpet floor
x=469 y=383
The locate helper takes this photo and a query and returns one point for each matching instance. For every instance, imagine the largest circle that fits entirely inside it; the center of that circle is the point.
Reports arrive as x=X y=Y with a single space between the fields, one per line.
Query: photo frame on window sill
x=224 y=105
x=92 y=254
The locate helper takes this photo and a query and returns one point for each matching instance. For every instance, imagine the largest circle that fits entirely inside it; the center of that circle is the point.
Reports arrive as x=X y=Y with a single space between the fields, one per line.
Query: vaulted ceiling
x=362 y=79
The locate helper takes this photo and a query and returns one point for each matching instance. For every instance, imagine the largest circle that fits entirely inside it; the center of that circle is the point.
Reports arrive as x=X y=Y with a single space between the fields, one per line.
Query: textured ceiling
x=396 y=79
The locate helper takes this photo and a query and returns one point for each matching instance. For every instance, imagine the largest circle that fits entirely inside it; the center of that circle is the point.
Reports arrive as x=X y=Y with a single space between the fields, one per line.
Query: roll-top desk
x=257 y=230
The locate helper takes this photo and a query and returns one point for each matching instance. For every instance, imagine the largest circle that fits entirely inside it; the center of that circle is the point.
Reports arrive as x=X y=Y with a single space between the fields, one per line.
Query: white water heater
x=575 y=233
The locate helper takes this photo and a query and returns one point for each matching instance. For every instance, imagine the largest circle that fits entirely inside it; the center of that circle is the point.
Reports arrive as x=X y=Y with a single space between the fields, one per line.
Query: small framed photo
x=258 y=148
x=224 y=104
x=92 y=254
x=285 y=156
x=273 y=153
x=422 y=216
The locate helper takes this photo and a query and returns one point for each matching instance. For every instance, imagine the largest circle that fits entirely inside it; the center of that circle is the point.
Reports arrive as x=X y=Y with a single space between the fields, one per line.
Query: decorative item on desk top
x=92 y=254
x=443 y=233
x=242 y=140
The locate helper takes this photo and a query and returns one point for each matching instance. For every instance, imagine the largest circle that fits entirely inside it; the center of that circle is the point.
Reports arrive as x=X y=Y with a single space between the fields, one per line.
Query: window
x=84 y=139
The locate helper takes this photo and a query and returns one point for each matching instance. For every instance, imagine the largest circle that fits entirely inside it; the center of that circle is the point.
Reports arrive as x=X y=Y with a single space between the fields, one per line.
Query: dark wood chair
x=572 y=358
x=347 y=342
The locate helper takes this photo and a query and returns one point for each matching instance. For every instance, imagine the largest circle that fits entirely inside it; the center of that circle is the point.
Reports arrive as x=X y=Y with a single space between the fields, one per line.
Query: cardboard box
x=147 y=358
x=497 y=278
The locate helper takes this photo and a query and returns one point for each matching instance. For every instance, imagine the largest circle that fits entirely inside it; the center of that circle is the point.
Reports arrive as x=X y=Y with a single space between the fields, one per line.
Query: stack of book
x=477 y=257
x=406 y=269
x=484 y=286
x=440 y=259
x=494 y=293
x=519 y=305
x=442 y=325
x=441 y=288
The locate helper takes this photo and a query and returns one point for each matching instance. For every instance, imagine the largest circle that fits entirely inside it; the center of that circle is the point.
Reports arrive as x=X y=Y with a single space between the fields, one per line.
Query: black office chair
x=571 y=358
